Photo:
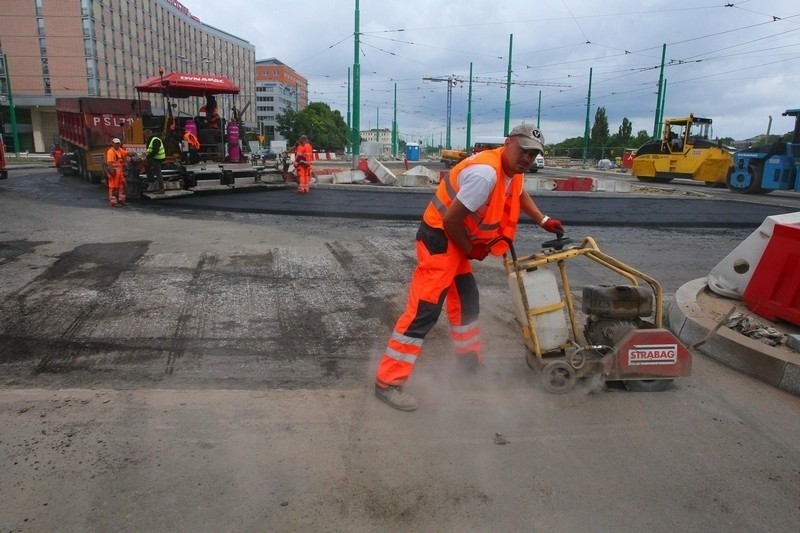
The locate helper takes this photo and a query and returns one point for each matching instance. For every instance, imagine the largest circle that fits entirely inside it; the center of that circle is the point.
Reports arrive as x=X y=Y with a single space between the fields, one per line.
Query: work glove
x=552 y=225
x=479 y=251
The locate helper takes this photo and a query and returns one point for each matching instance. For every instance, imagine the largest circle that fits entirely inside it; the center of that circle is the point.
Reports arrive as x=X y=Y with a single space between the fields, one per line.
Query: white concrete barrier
x=419 y=176
x=383 y=174
x=539 y=184
x=609 y=185
x=731 y=276
x=349 y=176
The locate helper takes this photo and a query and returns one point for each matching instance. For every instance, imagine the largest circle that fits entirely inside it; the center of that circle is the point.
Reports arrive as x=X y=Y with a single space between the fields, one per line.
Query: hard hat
x=116 y=141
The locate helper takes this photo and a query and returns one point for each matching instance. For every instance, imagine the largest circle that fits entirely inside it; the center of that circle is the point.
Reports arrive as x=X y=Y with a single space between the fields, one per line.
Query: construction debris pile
x=747 y=325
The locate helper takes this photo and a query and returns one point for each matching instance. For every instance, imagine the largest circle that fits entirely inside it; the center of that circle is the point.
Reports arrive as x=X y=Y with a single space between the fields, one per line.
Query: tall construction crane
x=452 y=81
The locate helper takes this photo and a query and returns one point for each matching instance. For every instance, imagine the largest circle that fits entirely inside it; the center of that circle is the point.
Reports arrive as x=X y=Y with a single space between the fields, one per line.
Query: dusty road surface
x=213 y=372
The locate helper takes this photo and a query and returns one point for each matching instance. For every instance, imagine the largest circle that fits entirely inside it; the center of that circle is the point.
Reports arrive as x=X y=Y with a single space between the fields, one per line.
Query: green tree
x=625 y=130
x=642 y=136
x=325 y=127
x=598 y=138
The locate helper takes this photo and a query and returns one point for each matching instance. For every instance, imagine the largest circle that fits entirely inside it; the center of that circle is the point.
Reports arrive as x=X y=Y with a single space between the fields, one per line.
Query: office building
x=78 y=48
x=278 y=88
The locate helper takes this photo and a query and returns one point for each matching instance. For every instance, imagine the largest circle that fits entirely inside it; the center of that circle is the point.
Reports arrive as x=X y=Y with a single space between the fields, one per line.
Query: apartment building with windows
x=278 y=88
x=78 y=48
x=381 y=137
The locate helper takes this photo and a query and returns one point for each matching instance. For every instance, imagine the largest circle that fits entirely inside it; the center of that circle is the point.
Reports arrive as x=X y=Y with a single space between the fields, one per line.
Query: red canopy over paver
x=182 y=85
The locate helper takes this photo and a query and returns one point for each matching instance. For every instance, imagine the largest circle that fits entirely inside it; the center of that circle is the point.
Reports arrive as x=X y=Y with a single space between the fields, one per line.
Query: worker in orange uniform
x=56 y=152
x=192 y=147
x=115 y=176
x=477 y=203
x=303 y=156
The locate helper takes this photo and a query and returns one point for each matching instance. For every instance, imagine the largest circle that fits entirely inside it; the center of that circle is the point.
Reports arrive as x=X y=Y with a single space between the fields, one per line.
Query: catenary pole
x=394 y=124
x=347 y=134
x=469 y=110
x=508 y=86
x=660 y=88
x=355 y=131
x=11 y=108
x=586 y=128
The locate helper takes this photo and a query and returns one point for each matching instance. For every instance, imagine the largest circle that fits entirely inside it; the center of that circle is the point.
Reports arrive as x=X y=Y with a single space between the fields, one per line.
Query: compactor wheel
x=558 y=377
x=757 y=174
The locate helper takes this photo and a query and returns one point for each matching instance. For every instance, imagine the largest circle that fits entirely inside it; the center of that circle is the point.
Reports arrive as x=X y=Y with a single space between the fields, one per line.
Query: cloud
x=737 y=65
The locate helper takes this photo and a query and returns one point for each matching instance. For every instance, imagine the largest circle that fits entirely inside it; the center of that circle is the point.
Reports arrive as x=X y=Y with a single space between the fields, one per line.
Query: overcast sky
x=737 y=63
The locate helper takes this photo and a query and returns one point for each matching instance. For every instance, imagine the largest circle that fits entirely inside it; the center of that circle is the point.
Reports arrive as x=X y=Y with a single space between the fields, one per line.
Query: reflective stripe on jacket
x=502 y=211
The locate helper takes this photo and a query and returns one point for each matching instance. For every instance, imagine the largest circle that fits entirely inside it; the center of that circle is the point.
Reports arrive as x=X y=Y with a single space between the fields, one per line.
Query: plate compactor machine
x=622 y=338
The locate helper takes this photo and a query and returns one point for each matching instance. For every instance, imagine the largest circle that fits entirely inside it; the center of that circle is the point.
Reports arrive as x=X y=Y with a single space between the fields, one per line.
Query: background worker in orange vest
x=115 y=176
x=303 y=156
x=192 y=145
x=479 y=201
x=56 y=152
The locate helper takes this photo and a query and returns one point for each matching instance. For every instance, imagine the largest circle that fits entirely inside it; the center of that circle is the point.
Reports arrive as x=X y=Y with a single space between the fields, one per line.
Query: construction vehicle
x=222 y=156
x=622 y=339
x=770 y=167
x=685 y=150
x=86 y=127
x=451 y=158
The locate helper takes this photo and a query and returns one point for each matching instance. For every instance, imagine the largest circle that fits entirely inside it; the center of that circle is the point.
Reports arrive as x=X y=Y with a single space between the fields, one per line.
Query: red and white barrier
x=732 y=275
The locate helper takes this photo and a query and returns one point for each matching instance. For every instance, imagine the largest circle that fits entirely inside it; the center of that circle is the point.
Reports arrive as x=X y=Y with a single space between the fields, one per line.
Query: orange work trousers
x=443 y=275
x=303 y=178
x=115 y=180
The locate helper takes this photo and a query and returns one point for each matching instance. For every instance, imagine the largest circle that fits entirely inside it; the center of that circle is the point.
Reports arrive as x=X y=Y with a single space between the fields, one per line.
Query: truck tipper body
x=86 y=127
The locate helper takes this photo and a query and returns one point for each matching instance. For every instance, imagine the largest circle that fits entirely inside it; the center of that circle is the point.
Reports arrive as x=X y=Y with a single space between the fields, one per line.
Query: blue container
x=412 y=152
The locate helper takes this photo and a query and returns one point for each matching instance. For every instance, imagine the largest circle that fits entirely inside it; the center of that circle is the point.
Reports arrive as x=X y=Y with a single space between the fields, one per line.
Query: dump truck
x=685 y=150
x=769 y=167
x=87 y=125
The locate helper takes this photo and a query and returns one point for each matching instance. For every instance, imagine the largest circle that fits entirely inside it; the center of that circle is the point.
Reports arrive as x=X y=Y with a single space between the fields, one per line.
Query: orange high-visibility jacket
x=191 y=140
x=305 y=150
x=502 y=213
x=115 y=157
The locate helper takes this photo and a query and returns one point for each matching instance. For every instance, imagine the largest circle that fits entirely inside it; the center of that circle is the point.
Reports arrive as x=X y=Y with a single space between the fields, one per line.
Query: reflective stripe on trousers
x=115 y=180
x=438 y=278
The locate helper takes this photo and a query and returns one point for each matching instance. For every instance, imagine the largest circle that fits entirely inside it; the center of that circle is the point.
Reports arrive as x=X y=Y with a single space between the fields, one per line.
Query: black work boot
x=394 y=396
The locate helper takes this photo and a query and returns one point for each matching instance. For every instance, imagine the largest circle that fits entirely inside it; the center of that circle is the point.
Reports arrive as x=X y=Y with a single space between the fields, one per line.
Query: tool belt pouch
x=434 y=239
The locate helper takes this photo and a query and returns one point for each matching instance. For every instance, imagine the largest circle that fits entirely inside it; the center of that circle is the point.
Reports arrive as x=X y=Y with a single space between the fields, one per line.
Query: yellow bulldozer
x=685 y=150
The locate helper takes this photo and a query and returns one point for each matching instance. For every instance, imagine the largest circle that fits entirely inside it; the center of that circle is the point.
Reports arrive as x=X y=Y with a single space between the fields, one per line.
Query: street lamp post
x=203 y=63
x=12 y=108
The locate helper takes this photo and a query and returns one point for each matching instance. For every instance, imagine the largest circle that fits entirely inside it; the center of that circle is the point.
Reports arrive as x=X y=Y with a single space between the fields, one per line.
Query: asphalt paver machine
x=622 y=338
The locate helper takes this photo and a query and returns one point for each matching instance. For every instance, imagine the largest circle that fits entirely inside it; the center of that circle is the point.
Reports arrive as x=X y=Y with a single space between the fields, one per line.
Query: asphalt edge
x=739 y=352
